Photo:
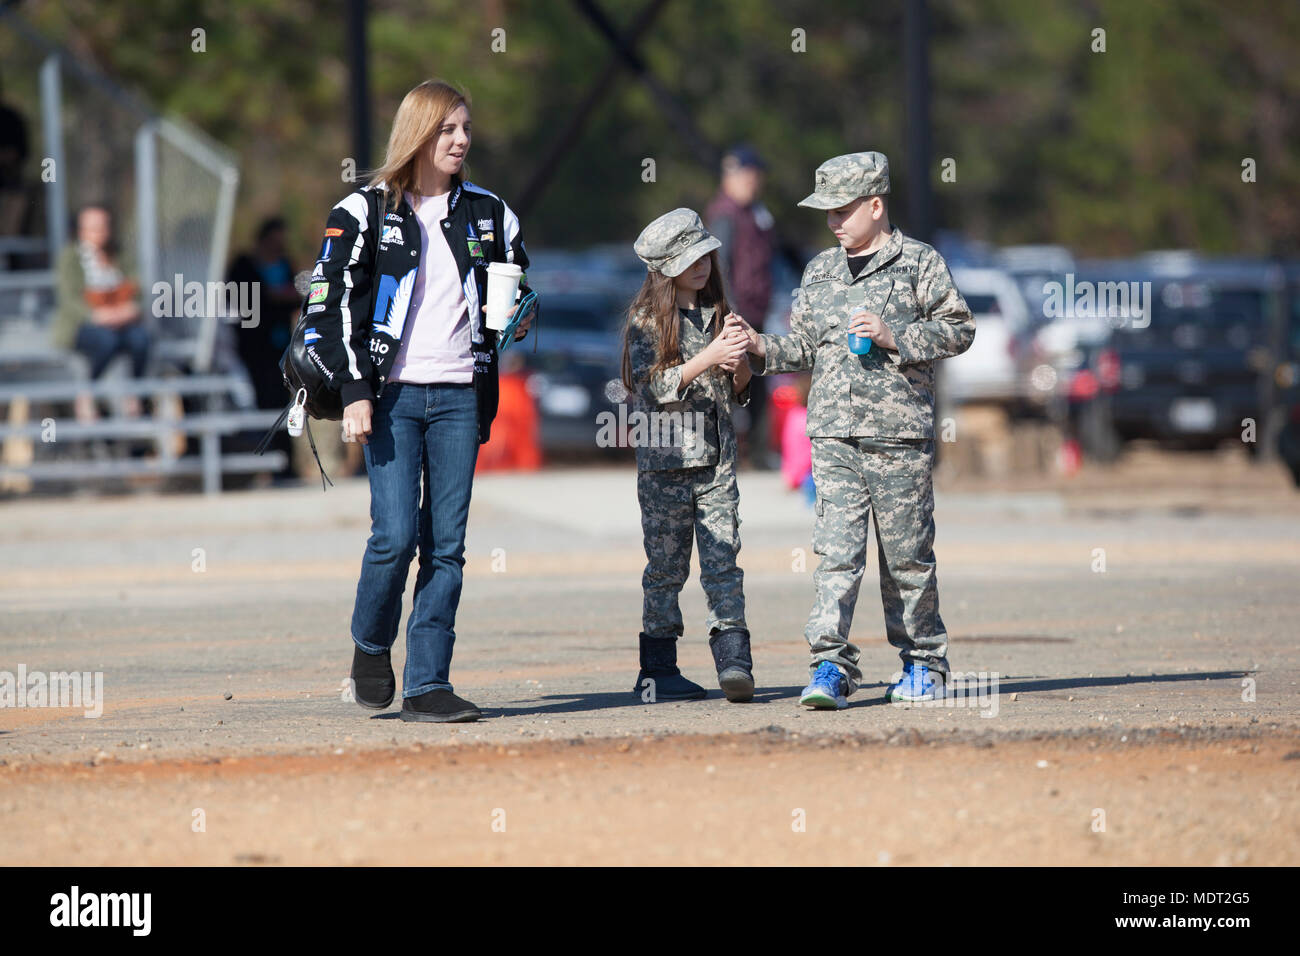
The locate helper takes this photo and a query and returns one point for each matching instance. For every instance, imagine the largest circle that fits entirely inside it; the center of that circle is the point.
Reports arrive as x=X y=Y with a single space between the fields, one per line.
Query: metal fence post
x=146 y=213
x=56 y=208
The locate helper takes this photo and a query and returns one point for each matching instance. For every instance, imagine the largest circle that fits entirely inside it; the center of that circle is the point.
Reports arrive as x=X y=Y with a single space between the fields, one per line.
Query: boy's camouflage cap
x=673 y=242
x=843 y=179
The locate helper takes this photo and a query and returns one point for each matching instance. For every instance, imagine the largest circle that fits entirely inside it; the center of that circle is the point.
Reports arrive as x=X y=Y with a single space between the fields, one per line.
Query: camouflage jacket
x=675 y=427
x=885 y=393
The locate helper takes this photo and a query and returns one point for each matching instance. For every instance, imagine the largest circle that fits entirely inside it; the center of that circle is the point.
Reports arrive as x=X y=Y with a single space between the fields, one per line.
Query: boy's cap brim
x=827 y=200
x=687 y=257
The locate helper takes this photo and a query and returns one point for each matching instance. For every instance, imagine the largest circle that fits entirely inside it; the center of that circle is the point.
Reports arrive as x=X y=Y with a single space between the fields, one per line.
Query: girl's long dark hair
x=655 y=308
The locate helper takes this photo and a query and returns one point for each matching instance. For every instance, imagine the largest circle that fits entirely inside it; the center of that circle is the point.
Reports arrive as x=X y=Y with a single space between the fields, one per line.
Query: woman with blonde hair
x=397 y=325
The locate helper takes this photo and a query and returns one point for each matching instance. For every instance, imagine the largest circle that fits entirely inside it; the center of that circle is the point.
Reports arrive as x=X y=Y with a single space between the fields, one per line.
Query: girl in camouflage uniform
x=684 y=365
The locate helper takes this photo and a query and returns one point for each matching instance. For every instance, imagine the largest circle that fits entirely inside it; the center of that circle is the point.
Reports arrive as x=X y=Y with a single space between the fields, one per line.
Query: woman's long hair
x=655 y=309
x=418 y=119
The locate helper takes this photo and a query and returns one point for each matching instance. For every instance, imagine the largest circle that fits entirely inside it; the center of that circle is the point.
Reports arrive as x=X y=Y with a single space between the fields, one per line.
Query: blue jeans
x=429 y=432
x=100 y=344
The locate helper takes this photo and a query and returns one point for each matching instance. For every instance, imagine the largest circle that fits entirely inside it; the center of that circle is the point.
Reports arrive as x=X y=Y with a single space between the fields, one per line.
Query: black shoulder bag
x=313 y=396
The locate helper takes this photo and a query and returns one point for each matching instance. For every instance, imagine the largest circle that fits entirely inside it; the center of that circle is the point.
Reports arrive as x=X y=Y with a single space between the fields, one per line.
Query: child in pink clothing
x=796 y=446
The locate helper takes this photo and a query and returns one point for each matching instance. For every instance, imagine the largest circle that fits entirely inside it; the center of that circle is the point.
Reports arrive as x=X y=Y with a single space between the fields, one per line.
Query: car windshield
x=1197 y=313
x=983 y=304
x=592 y=317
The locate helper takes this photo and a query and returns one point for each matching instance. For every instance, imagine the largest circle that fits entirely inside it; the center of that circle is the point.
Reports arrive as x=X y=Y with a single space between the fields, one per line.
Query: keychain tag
x=298 y=414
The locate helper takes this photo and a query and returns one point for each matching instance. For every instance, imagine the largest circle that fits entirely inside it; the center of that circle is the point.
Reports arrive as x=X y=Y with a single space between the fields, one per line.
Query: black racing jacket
x=360 y=291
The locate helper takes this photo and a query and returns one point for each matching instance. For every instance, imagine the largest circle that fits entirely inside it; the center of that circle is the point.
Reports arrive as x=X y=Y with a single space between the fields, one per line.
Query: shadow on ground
x=868 y=695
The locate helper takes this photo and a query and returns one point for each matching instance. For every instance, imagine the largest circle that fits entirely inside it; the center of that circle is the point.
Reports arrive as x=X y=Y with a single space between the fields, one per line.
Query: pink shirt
x=436 y=341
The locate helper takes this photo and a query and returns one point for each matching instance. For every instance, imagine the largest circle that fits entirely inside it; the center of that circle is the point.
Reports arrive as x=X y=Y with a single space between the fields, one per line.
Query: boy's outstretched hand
x=726 y=350
x=737 y=332
x=738 y=323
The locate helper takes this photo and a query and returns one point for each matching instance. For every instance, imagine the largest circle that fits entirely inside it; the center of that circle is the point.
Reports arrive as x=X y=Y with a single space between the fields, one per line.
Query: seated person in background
x=98 y=306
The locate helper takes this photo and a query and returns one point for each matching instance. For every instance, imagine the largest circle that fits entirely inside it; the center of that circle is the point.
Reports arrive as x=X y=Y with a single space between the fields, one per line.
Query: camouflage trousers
x=888 y=480
x=682 y=505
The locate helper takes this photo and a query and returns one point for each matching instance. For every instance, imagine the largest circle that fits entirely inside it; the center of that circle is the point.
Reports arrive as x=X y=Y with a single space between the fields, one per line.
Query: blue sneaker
x=918 y=683
x=826 y=690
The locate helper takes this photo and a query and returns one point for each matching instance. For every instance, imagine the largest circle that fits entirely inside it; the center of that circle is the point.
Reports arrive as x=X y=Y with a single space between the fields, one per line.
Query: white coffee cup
x=502 y=287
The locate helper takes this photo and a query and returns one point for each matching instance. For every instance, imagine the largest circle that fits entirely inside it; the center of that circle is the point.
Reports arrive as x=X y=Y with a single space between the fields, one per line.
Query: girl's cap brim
x=688 y=256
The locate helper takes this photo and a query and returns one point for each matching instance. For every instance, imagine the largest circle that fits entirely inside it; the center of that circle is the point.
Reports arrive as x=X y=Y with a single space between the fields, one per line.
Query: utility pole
x=359 y=83
x=916 y=67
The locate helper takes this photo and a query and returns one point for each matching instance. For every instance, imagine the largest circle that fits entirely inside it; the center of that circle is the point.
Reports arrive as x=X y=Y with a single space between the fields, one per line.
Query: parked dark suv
x=1191 y=365
x=574 y=360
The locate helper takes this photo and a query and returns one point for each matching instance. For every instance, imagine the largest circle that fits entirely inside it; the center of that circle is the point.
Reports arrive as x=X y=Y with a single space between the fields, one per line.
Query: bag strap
x=266 y=439
x=312 y=441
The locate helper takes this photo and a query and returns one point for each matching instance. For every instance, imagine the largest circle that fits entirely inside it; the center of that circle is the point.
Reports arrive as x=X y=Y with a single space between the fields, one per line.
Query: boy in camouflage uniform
x=686 y=456
x=871 y=421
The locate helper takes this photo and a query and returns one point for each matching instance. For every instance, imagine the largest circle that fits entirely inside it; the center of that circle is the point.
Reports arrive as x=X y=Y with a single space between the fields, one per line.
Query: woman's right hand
x=356 y=421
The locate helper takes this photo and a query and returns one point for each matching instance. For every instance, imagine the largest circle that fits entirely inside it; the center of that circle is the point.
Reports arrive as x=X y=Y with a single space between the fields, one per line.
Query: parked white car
x=991 y=370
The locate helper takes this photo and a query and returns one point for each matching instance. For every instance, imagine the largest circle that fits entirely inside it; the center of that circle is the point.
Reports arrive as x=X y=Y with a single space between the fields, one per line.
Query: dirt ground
x=1139 y=624
x=761 y=798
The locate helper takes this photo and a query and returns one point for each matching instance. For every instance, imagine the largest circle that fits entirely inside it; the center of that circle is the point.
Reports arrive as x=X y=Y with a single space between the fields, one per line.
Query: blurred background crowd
x=1114 y=185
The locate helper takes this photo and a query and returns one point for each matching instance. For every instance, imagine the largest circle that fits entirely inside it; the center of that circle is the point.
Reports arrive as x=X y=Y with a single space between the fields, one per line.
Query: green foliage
x=1137 y=147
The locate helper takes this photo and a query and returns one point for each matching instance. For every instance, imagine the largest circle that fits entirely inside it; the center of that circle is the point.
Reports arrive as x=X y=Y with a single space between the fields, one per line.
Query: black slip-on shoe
x=373 y=684
x=439 y=706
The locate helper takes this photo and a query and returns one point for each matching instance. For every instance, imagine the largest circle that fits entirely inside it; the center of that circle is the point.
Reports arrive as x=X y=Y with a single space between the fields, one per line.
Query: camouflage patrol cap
x=673 y=242
x=844 y=178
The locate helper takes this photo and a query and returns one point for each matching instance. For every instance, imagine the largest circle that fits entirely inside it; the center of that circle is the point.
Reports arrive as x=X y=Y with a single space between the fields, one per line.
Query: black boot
x=659 y=664
x=735 y=666
x=373 y=684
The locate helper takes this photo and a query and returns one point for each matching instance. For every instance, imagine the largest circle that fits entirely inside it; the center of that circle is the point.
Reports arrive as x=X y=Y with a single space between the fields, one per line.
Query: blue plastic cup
x=859 y=344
